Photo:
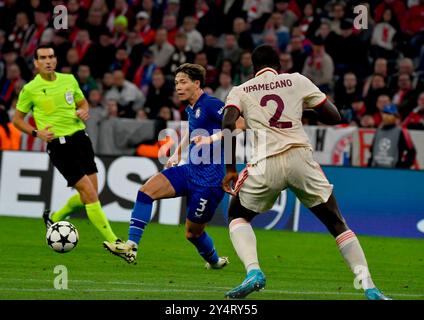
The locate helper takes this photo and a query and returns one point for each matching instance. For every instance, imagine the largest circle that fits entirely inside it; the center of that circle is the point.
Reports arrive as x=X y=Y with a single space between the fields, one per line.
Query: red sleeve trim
x=233 y=105
x=321 y=103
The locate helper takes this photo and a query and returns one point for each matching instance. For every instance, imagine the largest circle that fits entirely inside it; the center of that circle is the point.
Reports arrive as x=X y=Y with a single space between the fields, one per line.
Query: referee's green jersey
x=53 y=103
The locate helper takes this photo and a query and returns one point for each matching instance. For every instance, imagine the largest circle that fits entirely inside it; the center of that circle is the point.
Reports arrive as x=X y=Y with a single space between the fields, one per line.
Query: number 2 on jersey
x=273 y=122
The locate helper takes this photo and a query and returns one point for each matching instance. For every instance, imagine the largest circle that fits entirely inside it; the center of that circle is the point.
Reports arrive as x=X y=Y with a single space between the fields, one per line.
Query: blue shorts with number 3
x=201 y=201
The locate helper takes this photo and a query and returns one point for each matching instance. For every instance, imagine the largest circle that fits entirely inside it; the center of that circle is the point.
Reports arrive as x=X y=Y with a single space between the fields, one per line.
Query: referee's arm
x=20 y=123
x=82 y=109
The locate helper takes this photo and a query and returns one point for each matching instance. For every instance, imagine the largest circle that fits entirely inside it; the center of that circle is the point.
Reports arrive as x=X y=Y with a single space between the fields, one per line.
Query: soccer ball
x=62 y=236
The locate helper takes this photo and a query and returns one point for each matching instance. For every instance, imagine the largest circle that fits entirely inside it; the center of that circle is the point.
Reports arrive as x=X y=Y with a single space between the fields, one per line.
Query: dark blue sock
x=204 y=246
x=140 y=216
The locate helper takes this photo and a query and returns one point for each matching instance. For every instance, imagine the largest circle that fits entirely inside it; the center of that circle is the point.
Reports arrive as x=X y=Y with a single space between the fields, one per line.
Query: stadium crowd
x=124 y=52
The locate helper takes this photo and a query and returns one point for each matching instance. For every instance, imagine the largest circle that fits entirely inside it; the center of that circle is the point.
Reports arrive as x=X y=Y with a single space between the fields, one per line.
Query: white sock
x=354 y=256
x=132 y=244
x=244 y=242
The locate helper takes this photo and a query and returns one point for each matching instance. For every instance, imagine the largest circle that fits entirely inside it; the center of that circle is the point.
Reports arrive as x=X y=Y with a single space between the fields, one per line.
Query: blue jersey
x=206 y=169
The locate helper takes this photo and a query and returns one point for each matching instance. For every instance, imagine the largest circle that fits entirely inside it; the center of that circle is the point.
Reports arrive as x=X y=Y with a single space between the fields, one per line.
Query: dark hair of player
x=193 y=71
x=265 y=56
x=43 y=46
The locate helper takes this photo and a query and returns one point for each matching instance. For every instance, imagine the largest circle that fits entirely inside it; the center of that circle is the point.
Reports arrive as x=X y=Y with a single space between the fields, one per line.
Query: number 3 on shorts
x=202 y=204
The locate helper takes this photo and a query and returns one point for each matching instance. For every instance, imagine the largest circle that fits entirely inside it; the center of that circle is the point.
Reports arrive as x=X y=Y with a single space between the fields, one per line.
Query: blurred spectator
x=377 y=88
x=244 y=39
x=345 y=94
x=72 y=60
x=173 y=8
x=380 y=67
x=21 y=32
x=61 y=45
x=330 y=38
x=224 y=88
x=72 y=27
x=226 y=67
x=170 y=24
x=141 y=115
x=144 y=73
x=213 y=52
x=230 y=50
x=85 y=48
x=286 y=62
x=397 y=7
x=270 y=38
x=9 y=84
x=157 y=95
x=161 y=49
x=415 y=120
x=406 y=66
x=288 y=14
x=179 y=106
x=382 y=101
x=392 y=147
x=384 y=36
x=135 y=49
x=354 y=54
x=120 y=8
x=298 y=53
x=95 y=99
x=257 y=13
x=105 y=55
x=229 y=10
x=101 y=6
x=414 y=26
x=245 y=69
x=319 y=67
x=128 y=97
x=8 y=14
x=337 y=16
x=405 y=97
x=119 y=32
x=85 y=80
x=194 y=37
x=74 y=8
x=121 y=62
x=38 y=33
x=310 y=21
x=144 y=29
x=94 y=24
x=154 y=12
x=275 y=25
x=10 y=137
x=182 y=54
x=107 y=81
x=358 y=111
x=211 y=71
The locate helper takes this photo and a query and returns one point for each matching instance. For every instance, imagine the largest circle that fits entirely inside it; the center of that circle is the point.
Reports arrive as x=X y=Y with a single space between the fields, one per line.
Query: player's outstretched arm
x=228 y=126
x=328 y=113
x=176 y=157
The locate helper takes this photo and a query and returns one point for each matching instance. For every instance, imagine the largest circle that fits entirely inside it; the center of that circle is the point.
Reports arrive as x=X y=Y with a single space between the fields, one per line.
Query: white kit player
x=272 y=104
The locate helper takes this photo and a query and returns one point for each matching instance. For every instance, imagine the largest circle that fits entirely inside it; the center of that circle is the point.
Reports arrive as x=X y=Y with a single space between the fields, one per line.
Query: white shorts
x=260 y=184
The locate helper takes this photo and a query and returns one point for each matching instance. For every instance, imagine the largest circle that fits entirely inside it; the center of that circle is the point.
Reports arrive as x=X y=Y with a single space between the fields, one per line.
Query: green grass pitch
x=297 y=265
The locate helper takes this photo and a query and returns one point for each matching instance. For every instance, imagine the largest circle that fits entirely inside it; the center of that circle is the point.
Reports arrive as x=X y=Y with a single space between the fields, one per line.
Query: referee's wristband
x=34 y=133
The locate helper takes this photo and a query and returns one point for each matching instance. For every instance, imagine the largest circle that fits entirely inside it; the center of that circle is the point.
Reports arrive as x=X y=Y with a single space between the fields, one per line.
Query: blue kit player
x=199 y=180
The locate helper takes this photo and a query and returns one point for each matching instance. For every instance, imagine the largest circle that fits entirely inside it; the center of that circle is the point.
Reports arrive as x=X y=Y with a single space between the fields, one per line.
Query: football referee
x=60 y=109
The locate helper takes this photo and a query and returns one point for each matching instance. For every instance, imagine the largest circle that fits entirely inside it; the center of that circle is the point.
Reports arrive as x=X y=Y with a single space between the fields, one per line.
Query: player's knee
x=192 y=234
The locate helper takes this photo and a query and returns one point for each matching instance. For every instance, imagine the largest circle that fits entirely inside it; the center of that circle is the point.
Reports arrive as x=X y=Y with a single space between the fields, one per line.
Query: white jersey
x=272 y=105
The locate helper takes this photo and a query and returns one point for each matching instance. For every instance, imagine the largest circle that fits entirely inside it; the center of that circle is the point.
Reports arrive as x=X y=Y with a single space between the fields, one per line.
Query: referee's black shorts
x=73 y=156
